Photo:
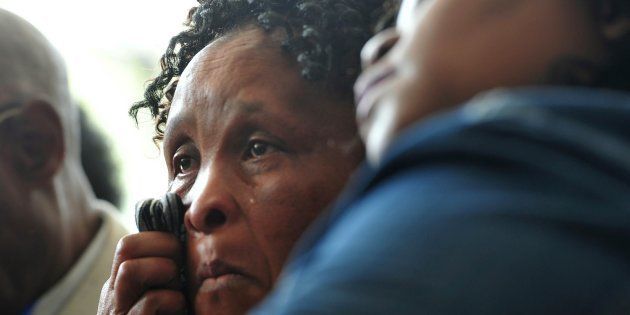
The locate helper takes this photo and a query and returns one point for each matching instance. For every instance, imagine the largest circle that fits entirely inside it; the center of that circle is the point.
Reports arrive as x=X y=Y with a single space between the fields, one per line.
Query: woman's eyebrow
x=251 y=107
x=173 y=124
x=257 y=109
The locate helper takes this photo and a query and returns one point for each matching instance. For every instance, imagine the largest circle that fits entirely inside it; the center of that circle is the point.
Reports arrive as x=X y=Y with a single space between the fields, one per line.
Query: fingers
x=137 y=276
x=163 y=302
x=145 y=276
x=146 y=244
x=105 y=303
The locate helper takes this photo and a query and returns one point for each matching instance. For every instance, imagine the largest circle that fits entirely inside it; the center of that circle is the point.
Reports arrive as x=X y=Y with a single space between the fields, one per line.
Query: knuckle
x=126 y=271
x=106 y=286
x=152 y=298
x=126 y=247
x=107 y=304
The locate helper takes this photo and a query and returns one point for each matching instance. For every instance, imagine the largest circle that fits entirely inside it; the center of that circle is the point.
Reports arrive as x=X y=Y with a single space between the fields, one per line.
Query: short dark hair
x=324 y=37
x=614 y=71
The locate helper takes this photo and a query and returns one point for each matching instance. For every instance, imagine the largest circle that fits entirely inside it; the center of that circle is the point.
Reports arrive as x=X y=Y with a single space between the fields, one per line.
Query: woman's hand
x=145 y=276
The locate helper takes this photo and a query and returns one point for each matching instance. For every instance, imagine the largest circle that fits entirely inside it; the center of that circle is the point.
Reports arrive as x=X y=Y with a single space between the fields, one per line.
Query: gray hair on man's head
x=31 y=69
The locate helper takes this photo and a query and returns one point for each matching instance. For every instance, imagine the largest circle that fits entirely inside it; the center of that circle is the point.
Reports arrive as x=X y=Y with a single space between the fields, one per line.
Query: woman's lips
x=218 y=275
x=366 y=84
x=230 y=281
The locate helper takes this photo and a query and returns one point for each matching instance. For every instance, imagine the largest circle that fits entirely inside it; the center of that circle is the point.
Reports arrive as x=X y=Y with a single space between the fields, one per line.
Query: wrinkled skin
x=256 y=153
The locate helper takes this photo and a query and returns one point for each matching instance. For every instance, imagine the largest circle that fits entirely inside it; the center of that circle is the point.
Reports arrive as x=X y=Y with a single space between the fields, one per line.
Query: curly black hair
x=324 y=37
x=614 y=71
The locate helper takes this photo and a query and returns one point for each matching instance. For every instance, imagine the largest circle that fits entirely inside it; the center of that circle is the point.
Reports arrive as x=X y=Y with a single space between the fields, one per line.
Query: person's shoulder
x=112 y=221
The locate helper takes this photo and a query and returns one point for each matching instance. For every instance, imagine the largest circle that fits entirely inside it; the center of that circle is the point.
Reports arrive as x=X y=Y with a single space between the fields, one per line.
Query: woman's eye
x=257 y=149
x=184 y=164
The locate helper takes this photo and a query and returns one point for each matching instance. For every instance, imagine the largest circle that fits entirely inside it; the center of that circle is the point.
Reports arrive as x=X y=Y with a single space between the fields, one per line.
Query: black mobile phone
x=164 y=215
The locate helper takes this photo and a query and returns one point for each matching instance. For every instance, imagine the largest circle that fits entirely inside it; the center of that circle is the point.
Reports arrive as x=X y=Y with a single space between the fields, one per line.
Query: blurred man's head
x=44 y=222
x=32 y=69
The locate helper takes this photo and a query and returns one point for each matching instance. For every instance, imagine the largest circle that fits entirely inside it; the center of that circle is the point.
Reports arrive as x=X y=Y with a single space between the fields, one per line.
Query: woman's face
x=256 y=153
x=446 y=51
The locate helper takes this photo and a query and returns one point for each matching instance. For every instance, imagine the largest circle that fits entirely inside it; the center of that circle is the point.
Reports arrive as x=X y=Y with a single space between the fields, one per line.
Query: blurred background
x=111 y=50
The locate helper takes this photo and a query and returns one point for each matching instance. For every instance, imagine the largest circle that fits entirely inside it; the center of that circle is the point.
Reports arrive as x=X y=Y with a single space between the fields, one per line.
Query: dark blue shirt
x=516 y=203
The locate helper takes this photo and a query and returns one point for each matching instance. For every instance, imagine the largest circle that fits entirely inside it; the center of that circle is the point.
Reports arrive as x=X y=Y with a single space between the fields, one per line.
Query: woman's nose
x=212 y=206
x=378 y=46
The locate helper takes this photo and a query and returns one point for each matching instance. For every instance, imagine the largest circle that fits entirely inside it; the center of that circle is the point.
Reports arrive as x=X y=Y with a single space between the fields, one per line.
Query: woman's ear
x=38 y=148
x=614 y=24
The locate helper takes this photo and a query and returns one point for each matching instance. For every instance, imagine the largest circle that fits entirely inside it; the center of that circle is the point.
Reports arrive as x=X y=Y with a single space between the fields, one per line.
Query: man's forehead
x=14 y=30
x=9 y=22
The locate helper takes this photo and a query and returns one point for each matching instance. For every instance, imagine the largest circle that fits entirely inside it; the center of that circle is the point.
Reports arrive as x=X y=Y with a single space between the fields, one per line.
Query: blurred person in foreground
x=499 y=182
x=255 y=112
x=56 y=238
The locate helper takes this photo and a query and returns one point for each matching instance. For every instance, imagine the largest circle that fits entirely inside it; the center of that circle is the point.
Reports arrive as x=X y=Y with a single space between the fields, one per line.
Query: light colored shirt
x=77 y=293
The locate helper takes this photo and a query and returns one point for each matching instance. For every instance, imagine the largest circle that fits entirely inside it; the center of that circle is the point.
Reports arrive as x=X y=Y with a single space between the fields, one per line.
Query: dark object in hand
x=164 y=215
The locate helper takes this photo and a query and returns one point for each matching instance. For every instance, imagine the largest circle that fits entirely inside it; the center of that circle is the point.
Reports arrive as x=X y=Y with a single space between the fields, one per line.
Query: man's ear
x=38 y=148
x=614 y=24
